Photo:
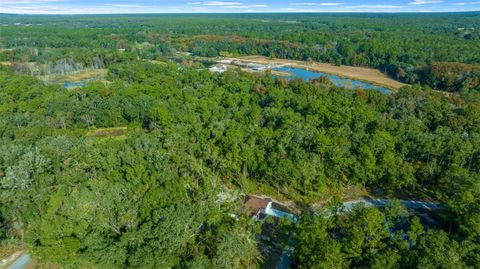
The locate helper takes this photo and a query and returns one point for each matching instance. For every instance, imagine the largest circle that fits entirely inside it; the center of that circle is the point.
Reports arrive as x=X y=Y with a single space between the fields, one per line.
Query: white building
x=218 y=68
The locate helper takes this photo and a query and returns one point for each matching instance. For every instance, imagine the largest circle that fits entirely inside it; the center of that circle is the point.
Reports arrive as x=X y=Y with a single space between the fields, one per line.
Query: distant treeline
x=404 y=46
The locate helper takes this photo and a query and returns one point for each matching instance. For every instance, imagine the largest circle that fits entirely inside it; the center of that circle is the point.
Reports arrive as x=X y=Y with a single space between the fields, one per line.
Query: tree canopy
x=147 y=168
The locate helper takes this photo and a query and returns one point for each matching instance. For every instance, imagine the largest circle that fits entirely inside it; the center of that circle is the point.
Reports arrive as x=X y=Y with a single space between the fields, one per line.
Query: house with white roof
x=260 y=208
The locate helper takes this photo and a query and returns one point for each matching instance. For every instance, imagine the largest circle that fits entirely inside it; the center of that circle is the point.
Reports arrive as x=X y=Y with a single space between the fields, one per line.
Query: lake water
x=75 y=84
x=338 y=81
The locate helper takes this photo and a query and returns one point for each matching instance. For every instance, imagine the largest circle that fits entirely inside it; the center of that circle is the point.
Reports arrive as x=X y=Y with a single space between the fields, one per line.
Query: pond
x=77 y=84
x=69 y=85
x=338 y=81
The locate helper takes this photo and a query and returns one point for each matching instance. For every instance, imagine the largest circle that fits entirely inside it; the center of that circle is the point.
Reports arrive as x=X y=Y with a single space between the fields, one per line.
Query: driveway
x=21 y=262
x=372 y=202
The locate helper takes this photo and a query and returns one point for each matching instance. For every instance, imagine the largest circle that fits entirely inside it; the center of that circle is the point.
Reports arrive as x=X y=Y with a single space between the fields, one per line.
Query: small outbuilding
x=218 y=68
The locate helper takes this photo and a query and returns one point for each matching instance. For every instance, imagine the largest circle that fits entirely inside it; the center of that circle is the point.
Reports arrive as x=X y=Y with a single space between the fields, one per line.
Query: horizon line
x=230 y=13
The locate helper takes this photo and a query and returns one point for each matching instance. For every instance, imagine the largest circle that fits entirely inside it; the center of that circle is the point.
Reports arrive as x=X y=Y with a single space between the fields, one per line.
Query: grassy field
x=369 y=75
x=157 y=62
x=7 y=255
x=6 y=251
x=117 y=132
x=76 y=77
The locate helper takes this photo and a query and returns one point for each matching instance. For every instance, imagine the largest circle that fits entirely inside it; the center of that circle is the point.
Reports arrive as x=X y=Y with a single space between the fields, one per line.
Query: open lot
x=370 y=75
x=8 y=255
x=77 y=76
x=107 y=132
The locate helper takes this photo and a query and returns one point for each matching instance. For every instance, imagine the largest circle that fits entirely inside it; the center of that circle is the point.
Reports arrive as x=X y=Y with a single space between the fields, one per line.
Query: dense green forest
x=406 y=46
x=161 y=192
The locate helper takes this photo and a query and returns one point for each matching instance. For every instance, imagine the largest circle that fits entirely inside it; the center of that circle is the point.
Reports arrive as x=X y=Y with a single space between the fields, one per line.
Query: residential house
x=260 y=208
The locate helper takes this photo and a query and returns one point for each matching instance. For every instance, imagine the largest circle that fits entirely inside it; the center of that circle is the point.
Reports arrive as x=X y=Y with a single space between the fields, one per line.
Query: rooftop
x=255 y=203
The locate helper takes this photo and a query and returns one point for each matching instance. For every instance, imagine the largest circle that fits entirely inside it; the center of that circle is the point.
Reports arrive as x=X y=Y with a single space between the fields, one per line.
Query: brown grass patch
x=107 y=132
x=77 y=77
x=9 y=254
x=34 y=264
x=157 y=62
x=7 y=251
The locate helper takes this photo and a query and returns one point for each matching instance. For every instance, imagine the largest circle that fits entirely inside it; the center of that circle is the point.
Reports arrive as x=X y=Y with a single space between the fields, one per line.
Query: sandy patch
x=369 y=75
x=77 y=77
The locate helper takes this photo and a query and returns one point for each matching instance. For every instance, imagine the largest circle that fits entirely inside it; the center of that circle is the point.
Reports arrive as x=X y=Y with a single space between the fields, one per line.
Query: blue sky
x=231 y=6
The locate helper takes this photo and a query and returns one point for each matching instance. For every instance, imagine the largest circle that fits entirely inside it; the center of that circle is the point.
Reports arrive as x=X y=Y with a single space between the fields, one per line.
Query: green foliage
x=316 y=247
x=344 y=242
x=436 y=250
x=406 y=46
x=151 y=199
x=360 y=240
x=452 y=77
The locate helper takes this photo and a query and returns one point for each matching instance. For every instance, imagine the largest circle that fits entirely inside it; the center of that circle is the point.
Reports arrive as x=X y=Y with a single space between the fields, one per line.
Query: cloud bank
x=233 y=6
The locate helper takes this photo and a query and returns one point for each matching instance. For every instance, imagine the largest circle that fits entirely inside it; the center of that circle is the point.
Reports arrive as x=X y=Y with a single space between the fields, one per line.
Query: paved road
x=21 y=262
x=347 y=206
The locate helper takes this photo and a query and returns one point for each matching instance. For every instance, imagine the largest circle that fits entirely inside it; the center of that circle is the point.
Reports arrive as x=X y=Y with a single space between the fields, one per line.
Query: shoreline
x=369 y=75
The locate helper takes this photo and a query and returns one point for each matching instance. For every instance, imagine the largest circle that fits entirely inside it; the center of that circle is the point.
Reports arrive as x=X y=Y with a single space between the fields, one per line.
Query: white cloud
x=291 y=9
x=221 y=3
x=60 y=9
x=27 y=1
x=372 y=7
x=355 y=8
x=226 y=5
x=125 y=5
x=303 y=4
x=331 y=4
x=21 y=2
x=425 y=2
x=246 y=6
